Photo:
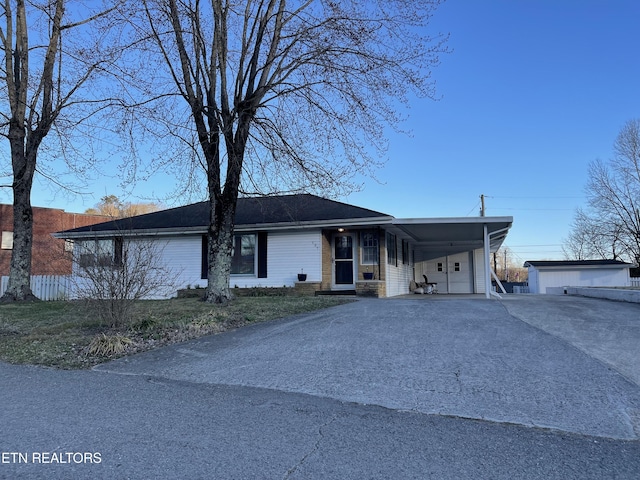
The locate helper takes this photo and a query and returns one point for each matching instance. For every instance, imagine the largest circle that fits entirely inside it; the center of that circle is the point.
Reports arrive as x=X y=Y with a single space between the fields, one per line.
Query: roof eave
x=580 y=267
x=338 y=222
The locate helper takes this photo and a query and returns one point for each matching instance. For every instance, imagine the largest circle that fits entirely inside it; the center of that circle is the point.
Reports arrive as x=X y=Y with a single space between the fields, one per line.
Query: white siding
x=175 y=255
x=533 y=280
x=288 y=254
x=478 y=269
x=399 y=278
x=183 y=256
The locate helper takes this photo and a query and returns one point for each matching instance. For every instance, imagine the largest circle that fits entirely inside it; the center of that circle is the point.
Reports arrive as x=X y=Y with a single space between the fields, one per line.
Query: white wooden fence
x=635 y=281
x=45 y=287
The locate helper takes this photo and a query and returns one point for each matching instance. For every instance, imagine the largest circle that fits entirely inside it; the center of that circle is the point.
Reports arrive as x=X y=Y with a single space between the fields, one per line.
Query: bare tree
x=507 y=267
x=283 y=95
x=112 y=274
x=51 y=56
x=590 y=238
x=610 y=226
x=112 y=206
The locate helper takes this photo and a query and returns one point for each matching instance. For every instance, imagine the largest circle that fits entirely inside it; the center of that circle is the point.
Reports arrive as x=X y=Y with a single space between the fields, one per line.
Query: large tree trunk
x=220 y=235
x=19 y=286
x=223 y=212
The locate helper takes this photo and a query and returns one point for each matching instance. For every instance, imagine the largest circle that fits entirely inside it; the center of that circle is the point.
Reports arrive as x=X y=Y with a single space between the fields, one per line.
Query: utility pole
x=482 y=205
x=506 y=270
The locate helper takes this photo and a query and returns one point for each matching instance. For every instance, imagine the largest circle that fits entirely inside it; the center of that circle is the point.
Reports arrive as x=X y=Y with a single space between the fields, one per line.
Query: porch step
x=336 y=292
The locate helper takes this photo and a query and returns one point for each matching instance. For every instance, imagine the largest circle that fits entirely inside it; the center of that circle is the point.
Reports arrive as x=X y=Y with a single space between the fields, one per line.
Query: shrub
x=111 y=286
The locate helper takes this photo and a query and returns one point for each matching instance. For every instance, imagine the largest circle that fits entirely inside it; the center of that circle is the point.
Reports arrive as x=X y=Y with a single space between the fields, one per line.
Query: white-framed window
x=102 y=252
x=369 y=248
x=243 y=256
x=7 y=241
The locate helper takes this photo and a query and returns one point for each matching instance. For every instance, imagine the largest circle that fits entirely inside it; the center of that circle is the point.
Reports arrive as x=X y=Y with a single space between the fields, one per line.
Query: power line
x=537 y=209
x=535 y=198
x=538 y=245
x=474 y=207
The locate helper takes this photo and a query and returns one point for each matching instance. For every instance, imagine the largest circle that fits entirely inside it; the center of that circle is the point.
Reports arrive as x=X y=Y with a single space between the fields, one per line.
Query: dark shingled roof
x=575 y=263
x=249 y=211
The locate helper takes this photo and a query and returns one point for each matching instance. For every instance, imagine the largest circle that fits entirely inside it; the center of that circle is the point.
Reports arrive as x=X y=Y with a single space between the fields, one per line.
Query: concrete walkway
x=564 y=363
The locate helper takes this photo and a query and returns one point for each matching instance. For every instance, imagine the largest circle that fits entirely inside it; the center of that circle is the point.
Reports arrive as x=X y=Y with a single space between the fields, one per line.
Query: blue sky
x=532 y=91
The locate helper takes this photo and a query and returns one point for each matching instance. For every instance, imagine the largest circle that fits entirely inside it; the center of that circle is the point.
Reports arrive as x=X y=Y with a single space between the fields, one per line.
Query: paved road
x=396 y=388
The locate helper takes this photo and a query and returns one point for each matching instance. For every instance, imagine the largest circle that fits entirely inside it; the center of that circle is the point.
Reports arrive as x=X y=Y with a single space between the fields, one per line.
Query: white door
x=453 y=273
x=460 y=273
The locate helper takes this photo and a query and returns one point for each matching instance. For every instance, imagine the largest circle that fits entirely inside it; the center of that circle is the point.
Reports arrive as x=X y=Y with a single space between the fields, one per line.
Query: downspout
x=379 y=243
x=487 y=261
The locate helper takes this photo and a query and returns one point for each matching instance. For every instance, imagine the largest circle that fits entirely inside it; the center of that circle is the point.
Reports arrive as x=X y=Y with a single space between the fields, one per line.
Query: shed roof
x=577 y=264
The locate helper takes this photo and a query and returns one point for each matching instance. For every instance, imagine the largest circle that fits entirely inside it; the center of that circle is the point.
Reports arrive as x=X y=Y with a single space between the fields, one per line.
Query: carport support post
x=487 y=263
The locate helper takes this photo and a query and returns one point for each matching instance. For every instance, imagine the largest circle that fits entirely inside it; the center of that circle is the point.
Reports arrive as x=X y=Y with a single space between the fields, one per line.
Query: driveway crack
x=314 y=448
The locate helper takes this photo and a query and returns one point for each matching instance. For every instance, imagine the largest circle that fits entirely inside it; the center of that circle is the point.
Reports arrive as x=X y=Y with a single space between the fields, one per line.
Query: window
x=7 y=241
x=439 y=266
x=369 y=242
x=243 y=255
x=456 y=266
x=405 y=252
x=392 y=250
x=100 y=252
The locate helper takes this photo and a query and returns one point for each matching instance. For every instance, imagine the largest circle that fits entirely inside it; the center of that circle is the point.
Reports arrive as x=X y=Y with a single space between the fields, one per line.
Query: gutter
x=331 y=223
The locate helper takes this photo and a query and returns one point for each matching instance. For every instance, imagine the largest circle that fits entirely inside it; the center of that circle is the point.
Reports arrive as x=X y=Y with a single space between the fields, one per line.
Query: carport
x=455 y=248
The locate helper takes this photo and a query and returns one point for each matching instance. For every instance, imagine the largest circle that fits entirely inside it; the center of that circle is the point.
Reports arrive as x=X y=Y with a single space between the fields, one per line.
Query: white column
x=487 y=263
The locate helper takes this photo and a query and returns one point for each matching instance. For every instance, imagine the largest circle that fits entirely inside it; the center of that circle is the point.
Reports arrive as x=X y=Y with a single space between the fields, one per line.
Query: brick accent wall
x=48 y=255
x=327 y=264
x=371 y=288
x=307 y=288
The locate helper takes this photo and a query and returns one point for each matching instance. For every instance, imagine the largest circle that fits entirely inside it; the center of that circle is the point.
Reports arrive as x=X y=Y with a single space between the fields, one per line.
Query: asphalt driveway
x=432 y=387
x=565 y=363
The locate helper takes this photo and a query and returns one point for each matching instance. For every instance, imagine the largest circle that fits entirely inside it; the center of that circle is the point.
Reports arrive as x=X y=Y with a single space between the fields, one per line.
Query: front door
x=343 y=247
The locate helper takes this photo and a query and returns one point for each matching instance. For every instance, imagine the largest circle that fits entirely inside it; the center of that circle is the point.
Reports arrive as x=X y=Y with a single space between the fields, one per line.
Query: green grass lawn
x=68 y=335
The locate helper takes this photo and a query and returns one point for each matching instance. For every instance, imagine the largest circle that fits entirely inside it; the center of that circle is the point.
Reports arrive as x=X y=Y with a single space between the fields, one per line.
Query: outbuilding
x=552 y=276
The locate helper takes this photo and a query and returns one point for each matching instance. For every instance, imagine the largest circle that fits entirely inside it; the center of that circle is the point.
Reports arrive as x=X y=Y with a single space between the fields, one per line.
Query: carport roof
x=435 y=237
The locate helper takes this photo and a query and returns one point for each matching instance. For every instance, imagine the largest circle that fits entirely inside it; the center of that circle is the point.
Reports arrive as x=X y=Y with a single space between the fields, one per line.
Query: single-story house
x=551 y=276
x=340 y=247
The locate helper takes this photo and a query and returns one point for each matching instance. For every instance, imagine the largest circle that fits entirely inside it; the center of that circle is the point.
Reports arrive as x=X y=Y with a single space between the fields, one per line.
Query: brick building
x=50 y=256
